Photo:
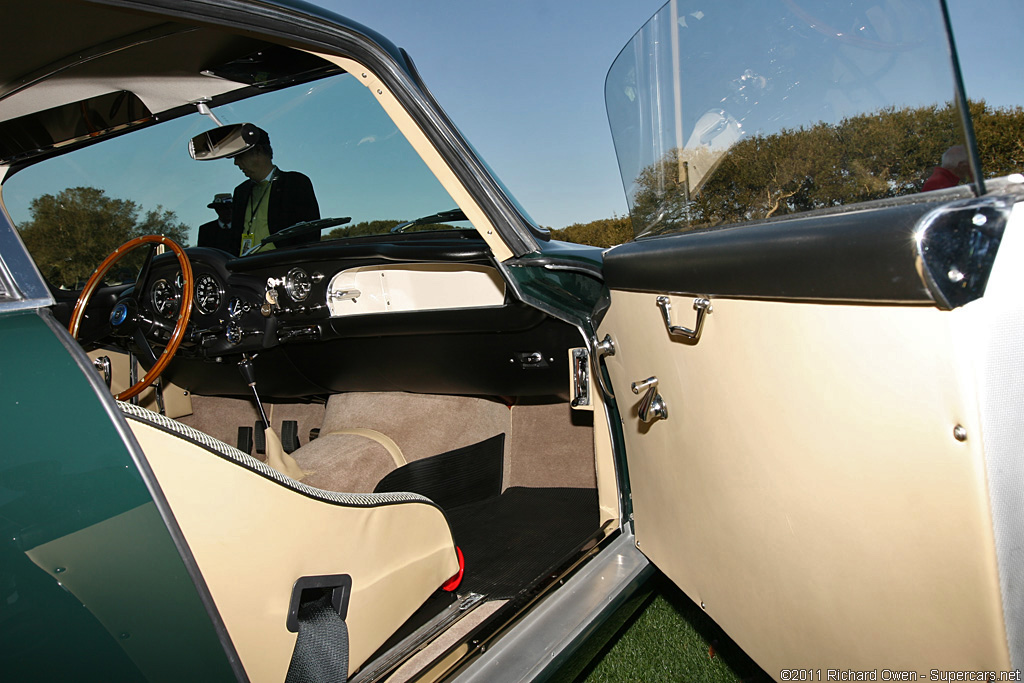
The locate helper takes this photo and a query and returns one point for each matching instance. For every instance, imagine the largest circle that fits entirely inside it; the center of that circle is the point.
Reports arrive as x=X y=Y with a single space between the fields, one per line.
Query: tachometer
x=298 y=284
x=208 y=294
x=165 y=298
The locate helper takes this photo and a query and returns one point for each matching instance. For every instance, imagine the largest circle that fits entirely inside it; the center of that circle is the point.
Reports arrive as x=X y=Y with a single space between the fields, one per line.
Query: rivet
x=979 y=219
x=702 y=605
x=379 y=91
x=960 y=433
x=60 y=570
x=124 y=636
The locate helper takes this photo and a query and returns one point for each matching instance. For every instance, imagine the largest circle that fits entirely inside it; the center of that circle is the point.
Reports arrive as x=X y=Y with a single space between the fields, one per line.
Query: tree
x=73 y=231
x=887 y=153
x=605 y=232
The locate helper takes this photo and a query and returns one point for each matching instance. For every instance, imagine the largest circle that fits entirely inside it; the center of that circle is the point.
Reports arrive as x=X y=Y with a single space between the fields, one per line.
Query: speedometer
x=298 y=284
x=164 y=298
x=208 y=294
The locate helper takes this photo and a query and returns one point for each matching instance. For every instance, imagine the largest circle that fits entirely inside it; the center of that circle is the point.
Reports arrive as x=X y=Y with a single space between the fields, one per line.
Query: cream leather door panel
x=815 y=477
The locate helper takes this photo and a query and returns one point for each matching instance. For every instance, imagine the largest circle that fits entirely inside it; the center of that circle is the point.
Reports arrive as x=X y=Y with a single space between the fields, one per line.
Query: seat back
x=254 y=532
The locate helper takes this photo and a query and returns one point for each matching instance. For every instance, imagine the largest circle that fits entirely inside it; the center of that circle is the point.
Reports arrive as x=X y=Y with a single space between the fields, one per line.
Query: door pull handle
x=652 y=406
x=701 y=304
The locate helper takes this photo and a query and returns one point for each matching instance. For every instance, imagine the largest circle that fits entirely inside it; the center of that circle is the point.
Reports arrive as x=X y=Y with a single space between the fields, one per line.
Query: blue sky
x=524 y=82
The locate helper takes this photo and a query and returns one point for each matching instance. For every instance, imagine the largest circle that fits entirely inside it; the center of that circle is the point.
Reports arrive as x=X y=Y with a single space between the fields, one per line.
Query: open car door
x=818 y=366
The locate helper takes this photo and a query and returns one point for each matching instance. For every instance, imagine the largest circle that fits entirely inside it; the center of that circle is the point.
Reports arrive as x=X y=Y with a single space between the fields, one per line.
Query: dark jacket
x=291 y=201
x=212 y=235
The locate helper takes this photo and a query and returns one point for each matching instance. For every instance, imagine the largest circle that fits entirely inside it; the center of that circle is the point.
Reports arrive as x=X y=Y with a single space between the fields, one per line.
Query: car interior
x=418 y=414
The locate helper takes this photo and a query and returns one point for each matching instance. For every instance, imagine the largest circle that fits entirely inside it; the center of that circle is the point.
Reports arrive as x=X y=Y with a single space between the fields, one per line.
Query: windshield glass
x=74 y=209
x=725 y=112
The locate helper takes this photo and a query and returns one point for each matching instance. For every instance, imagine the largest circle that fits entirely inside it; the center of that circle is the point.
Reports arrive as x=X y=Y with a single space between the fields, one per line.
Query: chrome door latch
x=652 y=405
x=580 y=369
x=701 y=304
x=103 y=365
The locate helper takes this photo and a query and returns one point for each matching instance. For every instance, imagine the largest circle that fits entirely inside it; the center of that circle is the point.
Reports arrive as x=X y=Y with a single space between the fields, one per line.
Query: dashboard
x=412 y=314
x=244 y=305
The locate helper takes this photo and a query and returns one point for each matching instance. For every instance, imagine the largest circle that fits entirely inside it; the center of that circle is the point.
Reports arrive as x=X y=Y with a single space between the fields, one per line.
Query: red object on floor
x=453 y=583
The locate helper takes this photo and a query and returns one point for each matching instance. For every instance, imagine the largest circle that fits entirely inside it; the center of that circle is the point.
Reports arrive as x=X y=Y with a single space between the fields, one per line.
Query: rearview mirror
x=223 y=142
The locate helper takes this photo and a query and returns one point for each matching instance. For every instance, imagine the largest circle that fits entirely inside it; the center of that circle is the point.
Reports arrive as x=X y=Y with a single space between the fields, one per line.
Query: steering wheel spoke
x=125 y=314
x=143 y=278
x=146 y=352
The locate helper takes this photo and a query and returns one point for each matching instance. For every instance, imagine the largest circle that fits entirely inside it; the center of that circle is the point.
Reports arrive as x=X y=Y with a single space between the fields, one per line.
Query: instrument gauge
x=208 y=294
x=165 y=298
x=236 y=308
x=298 y=284
x=179 y=281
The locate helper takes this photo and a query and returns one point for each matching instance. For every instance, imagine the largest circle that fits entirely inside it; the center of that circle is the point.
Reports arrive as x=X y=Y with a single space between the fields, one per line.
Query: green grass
x=670 y=639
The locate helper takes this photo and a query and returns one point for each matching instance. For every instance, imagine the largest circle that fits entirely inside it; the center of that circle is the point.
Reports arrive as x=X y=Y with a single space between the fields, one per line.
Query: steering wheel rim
x=184 y=311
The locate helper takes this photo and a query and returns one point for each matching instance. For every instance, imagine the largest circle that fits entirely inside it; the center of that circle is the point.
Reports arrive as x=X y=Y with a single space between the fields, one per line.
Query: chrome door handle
x=652 y=406
x=700 y=304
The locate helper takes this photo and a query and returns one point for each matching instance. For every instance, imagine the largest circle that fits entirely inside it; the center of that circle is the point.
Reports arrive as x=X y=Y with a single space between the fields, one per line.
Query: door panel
x=808 y=487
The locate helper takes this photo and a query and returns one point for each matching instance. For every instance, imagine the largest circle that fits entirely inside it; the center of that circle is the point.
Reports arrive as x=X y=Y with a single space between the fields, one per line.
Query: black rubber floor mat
x=520 y=536
x=459 y=477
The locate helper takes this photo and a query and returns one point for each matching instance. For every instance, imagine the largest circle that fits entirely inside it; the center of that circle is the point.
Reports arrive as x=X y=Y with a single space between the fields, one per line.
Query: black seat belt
x=318 y=610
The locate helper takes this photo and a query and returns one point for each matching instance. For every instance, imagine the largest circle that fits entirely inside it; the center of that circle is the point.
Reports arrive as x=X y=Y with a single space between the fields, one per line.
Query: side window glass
x=733 y=112
x=993 y=73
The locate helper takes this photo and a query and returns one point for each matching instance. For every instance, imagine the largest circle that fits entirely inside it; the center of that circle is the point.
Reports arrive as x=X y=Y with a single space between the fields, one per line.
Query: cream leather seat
x=254 y=532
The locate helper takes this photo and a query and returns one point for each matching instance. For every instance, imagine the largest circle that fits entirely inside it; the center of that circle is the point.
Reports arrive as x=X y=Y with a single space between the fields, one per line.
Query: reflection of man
x=954 y=168
x=218 y=234
x=271 y=199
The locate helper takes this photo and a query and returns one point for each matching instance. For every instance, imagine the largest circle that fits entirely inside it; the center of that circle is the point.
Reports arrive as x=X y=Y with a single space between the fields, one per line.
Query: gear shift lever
x=276 y=457
x=249 y=375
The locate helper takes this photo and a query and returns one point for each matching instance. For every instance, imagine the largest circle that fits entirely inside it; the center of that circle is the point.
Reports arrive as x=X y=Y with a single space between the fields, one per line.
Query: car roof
x=71 y=51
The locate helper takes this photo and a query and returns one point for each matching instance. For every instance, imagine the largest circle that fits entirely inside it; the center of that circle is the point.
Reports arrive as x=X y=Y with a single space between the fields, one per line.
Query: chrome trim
x=555 y=628
x=956 y=247
x=418 y=639
x=102 y=363
x=197 y=301
x=293 y=284
x=652 y=407
x=343 y=295
x=701 y=304
x=580 y=377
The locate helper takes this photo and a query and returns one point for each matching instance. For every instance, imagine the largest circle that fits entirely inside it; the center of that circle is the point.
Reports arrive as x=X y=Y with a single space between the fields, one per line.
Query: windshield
x=74 y=209
x=725 y=112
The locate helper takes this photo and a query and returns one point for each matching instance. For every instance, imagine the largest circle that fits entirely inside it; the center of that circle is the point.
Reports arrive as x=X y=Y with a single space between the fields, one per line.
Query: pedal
x=290 y=436
x=245 y=439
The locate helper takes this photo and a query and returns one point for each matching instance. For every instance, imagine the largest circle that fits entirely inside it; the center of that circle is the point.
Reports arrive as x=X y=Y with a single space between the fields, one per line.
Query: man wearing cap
x=271 y=199
x=218 y=234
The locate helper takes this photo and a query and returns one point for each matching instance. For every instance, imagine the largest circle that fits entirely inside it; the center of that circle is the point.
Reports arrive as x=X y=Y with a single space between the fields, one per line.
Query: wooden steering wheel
x=127 y=314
